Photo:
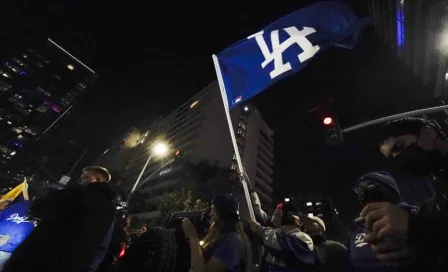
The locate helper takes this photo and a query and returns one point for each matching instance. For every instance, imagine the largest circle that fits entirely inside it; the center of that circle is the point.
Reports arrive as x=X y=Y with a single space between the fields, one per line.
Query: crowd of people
x=391 y=235
x=76 y=228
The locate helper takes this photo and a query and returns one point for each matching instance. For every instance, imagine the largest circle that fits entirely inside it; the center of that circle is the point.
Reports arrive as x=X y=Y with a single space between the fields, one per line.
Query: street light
x=159 y=149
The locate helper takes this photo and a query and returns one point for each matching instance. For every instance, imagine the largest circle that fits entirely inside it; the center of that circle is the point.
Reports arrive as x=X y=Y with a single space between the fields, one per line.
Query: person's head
x=93 y=174
x=290 y=215
x=314 y=226
x=413 y=145
x=142 y=230
x=225 y=217
x=224 y=208
x=377 y=187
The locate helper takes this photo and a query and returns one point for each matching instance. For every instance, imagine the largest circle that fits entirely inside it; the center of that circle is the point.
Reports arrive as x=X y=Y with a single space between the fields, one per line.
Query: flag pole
x=225 y=101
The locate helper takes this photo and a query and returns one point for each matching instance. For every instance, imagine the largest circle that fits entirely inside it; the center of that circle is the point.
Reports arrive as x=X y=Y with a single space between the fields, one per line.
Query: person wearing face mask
x=331 y=254
x=378 y=187
x=287 y=247
x=417 y=147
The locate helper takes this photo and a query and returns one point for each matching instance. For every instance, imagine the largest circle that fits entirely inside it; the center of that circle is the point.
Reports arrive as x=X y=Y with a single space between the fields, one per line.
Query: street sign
x=64 y=180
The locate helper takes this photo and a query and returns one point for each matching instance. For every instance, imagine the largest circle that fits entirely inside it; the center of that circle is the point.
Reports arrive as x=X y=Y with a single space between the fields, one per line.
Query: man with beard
x=74 y=227
x=331 y=254
x=415 y=146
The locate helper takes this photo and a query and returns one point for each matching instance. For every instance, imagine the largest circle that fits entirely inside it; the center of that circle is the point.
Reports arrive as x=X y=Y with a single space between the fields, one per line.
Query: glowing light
x=71 y=67
x=194 y=104
x=328 y=121
x=160 y=149
x=201 y=243
x=287 y=199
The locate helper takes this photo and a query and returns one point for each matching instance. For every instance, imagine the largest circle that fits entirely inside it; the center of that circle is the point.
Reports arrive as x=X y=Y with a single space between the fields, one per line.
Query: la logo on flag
x=284 y=47
x=279 y=50
x=296 y=37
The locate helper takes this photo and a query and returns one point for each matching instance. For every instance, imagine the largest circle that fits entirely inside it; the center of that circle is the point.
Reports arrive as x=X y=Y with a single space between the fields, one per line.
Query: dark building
x=199 y=131
x=321 y=206
x=38 y=87
x=118 y=156
x=418 y=32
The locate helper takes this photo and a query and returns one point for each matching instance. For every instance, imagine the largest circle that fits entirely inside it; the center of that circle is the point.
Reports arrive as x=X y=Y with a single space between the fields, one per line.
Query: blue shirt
x=362 y=256
x=230 y=251
x=15 y=224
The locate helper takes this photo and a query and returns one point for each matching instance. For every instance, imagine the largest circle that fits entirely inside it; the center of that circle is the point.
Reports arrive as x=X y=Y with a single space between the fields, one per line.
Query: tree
x=181 y=201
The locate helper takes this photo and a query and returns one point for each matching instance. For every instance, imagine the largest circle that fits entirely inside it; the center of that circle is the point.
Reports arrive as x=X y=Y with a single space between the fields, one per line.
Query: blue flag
x=284 y=47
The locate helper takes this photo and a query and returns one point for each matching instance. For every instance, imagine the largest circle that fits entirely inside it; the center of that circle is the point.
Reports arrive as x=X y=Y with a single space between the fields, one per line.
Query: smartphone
x=361 y=223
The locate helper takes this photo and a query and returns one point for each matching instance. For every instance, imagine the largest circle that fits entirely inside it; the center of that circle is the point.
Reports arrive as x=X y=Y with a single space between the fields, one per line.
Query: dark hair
x=100 y=171
x=404 y=126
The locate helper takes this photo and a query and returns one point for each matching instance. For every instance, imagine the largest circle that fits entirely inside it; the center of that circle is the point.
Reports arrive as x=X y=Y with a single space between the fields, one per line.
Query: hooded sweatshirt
x=287 y=251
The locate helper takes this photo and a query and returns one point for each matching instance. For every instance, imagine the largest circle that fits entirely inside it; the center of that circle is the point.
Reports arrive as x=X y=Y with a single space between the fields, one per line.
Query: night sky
x=152 y=58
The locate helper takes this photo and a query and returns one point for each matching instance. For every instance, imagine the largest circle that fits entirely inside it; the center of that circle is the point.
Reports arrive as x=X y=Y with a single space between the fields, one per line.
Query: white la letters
x=295 y=37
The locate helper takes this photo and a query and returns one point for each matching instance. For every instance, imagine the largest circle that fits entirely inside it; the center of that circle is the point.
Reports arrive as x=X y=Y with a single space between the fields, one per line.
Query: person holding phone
x=377 y=187
x=287 y=247
x=226 y=247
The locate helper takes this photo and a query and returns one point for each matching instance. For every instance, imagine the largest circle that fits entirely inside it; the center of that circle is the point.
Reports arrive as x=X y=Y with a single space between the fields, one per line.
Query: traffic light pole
x=395 y=117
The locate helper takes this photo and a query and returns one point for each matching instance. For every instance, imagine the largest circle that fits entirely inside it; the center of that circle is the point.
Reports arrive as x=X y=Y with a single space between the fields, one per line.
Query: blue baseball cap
x=227 y=203
x=381 y=177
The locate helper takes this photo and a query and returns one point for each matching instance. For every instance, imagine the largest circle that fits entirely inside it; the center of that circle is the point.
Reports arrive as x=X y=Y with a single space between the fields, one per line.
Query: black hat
x=227 y=203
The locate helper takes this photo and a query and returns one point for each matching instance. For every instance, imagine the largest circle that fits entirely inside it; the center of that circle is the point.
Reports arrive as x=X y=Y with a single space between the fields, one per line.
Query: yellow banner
x=13 y=194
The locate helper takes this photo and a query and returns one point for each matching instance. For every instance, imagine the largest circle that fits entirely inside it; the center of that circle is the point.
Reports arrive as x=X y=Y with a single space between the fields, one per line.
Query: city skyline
x=40 y=83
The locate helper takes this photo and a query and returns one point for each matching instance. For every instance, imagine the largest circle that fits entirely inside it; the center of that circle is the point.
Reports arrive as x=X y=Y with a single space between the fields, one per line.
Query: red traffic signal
x=328 y=121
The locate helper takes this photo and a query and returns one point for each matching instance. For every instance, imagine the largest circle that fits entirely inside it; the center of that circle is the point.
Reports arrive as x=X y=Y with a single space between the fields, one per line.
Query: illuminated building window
x=318 y=203
x=400 y=24
x=309 y=204
x=194 y=104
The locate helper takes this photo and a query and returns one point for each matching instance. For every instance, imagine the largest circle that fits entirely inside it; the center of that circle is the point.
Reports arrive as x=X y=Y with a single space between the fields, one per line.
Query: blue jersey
x=361 y=255
x=14 y=225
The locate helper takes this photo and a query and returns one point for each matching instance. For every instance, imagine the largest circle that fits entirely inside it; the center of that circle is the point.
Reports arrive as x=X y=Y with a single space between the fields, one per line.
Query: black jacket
x=73 y=224
x=332 y=255
x=427 y=230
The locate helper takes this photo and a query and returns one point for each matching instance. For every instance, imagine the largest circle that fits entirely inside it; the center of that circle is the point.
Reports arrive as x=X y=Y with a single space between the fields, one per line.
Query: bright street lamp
x=159 y=149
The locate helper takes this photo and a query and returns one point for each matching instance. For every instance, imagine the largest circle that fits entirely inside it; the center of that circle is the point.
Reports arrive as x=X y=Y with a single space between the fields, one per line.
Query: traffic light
x=177 y=155
x=332 y=131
